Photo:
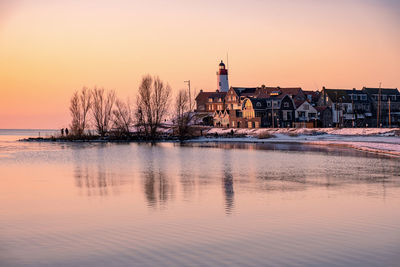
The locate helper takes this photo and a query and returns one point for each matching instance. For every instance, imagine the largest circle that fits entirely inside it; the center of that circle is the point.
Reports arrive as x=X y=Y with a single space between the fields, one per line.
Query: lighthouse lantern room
x=223 y=84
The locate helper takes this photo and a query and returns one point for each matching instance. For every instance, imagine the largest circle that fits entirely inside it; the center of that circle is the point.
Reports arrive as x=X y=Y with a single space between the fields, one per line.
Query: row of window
x=386 y=97
x=358 y=97
x=212 y=108
x=211 y=99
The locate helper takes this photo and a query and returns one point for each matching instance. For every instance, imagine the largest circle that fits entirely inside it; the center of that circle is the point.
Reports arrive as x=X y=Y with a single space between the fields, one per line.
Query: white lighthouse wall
x=223 y=84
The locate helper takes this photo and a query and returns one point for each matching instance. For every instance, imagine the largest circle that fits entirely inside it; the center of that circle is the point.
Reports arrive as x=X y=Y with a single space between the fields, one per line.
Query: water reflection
x=157 y=185
x=242 y=205
x=227 y=179
x=93 y=177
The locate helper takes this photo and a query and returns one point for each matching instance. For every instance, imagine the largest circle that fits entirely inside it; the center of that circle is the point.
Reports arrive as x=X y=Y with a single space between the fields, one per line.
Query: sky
x=49 y=49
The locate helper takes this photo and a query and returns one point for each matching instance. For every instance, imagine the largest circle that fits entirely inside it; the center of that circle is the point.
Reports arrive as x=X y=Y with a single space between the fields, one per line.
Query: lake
x=210 y=204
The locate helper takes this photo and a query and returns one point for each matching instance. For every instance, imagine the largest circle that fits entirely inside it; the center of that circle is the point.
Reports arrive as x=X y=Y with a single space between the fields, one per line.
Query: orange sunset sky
x=48 y=49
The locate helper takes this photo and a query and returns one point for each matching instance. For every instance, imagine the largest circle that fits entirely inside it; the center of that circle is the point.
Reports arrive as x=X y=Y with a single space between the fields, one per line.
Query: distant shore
x=374 y=140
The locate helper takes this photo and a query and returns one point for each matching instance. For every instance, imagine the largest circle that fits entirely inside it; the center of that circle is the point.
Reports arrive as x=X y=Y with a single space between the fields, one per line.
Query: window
x=306 y=107
x=258 y=105
x=286 y=104
x=384 y=97
x=210 y=99
x=363 y=97
x=268 y=104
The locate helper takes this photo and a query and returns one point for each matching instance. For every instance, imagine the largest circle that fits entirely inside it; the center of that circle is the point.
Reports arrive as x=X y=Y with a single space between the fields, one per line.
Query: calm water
x=195 y=205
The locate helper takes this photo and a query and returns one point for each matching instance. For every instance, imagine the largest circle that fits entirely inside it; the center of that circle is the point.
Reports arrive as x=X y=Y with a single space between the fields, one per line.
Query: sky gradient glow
x=48 y=49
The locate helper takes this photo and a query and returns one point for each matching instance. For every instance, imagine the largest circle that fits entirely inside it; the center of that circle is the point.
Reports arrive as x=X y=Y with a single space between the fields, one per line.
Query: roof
x=314 y=95
x=321 y=108
x=246 y=91
x=262 y=102
x=204 y=96
x=385 y=91
x=265 y=92
x=258 y=103
x=298 y=103
x=343 y=95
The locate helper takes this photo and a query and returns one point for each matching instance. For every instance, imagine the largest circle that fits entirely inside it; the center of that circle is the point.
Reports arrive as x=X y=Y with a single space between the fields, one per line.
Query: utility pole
x=378 y=117
x=390 y=118
x=273 y=114
x=190 y=96
x=352 y=108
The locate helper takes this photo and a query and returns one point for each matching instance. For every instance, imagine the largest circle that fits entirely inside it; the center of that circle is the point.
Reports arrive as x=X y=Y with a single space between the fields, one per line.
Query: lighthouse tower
x=223 y=84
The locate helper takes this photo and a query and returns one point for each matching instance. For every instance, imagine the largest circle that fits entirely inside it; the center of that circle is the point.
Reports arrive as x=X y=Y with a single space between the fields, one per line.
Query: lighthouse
x=223 y=84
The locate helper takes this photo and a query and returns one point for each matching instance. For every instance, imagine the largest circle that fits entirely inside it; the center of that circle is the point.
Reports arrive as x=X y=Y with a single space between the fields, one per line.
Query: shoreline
x=376 y=144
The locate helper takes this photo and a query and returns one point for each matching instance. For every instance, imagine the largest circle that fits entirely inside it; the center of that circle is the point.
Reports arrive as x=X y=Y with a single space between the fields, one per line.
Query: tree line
x=101 y=110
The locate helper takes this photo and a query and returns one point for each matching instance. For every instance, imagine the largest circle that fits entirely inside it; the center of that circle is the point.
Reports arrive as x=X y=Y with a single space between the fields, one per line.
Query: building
x=350 y=107
x=296 y=93
x=384 y=101
x=222 y=74
x=236 y=95
x=275 y=111
x=306 y=115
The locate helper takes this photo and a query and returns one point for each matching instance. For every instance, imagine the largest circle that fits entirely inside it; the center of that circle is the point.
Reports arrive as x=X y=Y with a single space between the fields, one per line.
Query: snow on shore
x=305 y=131
x=375 y=140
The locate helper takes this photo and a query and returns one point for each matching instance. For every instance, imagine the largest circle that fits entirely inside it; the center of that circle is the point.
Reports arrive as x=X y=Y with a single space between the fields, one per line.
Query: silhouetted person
x=62 y=131
x=66 y=131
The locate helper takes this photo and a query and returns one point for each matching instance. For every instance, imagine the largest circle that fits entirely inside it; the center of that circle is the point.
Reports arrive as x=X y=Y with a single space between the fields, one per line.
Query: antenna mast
x=378 y=117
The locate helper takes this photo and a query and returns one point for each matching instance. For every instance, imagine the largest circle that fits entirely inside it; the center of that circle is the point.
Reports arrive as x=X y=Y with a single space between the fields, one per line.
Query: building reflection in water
x=227 y=179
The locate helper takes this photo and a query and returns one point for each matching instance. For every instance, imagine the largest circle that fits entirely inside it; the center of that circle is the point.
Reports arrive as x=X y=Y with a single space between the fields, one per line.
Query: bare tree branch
x=79 y=107
x=122 y=119
x=102 y=109
x=152 y=105
x=183 y=116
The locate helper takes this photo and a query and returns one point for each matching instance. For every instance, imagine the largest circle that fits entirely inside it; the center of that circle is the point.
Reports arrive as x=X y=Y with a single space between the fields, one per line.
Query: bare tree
x=152 y=105
x=183 y=115
x=75 y=109
x=86 y=104
x=122 y=118
x=103 y=103
x=80 y=105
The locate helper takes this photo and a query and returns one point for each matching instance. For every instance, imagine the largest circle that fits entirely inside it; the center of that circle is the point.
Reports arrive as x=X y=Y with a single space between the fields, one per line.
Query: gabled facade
x=236 y=95
x=275 y=111
x=305 y=112
x=221 y=119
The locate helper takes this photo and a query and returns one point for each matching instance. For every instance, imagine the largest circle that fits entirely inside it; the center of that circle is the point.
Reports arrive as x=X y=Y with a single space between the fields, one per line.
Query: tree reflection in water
x=157 y=186
x=93 y=178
